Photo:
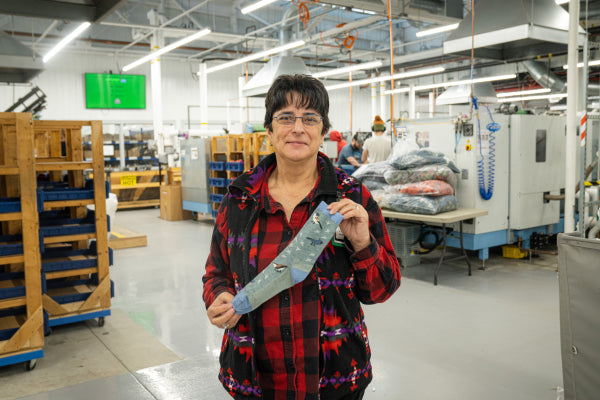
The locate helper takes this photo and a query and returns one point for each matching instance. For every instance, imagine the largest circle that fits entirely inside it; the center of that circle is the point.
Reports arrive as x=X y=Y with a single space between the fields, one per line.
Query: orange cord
x=303 y=12
x=345 y=39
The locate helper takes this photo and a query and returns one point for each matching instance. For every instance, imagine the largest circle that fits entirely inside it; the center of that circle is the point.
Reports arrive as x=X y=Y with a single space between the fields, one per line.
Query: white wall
x=63 y=83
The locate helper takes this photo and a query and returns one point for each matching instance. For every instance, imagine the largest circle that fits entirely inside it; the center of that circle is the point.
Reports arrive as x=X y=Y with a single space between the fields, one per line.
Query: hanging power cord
x=343 y=40
x=428 y=246
x=457 y=136
x=303 y=12
x=492 y=128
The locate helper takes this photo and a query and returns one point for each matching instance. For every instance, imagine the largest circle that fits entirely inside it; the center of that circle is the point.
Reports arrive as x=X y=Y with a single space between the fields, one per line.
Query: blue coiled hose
x=492 y=127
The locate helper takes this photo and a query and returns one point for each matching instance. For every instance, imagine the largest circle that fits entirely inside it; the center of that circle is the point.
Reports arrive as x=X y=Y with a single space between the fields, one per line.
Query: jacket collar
x=249 y=182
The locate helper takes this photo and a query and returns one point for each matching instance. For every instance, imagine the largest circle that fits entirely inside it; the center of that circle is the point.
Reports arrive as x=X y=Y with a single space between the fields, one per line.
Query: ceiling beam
x=61 y=10
x=106 y=7
x=399 y=8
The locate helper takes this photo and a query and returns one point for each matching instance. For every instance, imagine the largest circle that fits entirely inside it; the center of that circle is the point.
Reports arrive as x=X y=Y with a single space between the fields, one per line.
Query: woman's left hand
x=355 y=225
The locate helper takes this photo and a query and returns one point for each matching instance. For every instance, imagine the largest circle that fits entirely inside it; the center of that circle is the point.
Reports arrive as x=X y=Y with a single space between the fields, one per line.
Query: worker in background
x=377 y=147
x=308 y=341
x=335 y=136
x=351 y=155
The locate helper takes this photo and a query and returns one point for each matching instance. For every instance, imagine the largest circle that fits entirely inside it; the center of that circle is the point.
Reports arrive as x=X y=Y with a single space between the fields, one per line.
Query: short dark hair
x=304 y=90
x=357 y=138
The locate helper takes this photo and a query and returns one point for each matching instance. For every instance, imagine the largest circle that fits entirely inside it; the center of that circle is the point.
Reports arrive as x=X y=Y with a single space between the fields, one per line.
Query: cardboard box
x=133 y=152
x=171 y=204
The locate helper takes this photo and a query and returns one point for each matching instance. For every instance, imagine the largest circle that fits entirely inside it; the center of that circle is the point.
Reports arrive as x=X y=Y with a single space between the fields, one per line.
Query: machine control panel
x=467 y=129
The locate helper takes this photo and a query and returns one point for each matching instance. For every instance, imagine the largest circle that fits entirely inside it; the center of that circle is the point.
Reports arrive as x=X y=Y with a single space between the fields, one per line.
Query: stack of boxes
x=171 y=200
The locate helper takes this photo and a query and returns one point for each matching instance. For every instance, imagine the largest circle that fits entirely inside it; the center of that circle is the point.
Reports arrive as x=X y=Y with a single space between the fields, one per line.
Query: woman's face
x=296 y=142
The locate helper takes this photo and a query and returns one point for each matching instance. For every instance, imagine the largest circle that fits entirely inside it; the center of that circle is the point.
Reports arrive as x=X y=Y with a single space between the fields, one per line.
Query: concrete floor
x=493 y=336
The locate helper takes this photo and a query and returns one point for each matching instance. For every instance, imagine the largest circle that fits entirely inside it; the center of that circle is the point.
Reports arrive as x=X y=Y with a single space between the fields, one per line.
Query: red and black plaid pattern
x=286 y=345
x=309 y=341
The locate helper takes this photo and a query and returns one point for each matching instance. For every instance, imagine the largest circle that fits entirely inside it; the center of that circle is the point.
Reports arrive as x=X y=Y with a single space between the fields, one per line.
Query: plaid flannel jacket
x=310 y=340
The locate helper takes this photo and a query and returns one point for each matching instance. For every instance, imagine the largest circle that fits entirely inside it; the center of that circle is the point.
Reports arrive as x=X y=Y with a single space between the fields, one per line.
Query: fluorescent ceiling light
x=540 y=97
x=256 y=56
x=561 y=1
x=467 y=81
x=399 y=90
x=66 y=40
x=454 y=83
x=439 y=29
x=401 y=75
x=580 y=65
x=522 y=92
x=372 y=64
x=256 y=6
x=418 y=72
x=360 y=10
x=166 y=49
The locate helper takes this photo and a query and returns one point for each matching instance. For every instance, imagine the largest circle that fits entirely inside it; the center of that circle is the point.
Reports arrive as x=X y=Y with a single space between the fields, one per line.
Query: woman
x=308 y=341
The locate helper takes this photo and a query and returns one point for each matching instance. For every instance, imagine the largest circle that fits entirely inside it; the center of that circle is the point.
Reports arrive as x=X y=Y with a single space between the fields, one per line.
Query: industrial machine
x=509 y=164
x=195 y=168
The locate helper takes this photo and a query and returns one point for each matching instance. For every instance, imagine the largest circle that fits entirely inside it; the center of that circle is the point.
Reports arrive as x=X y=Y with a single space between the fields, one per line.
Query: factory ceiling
x=336 y=32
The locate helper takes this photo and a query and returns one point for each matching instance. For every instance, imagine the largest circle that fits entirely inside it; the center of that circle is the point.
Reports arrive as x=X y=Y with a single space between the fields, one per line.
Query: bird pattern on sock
x=293 y=264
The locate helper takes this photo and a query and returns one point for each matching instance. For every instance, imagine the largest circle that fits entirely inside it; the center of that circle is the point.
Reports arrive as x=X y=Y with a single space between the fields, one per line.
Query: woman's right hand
x=221 y=313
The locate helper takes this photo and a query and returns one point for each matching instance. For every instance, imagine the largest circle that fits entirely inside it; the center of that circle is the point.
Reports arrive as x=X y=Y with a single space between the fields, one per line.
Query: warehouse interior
x=158 y=106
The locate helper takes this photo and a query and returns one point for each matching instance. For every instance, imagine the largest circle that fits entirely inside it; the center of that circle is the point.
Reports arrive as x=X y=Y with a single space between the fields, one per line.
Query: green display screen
x=115 y=91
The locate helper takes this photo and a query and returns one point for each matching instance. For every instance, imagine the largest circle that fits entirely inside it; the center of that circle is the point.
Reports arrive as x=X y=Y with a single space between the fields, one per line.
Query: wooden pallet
x=18 y=178
x=70 y=162
x=136 y=189
x=123 y=238
x=261 y=146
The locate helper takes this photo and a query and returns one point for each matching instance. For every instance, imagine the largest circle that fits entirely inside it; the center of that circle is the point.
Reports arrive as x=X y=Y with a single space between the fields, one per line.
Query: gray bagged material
x=417 y=158
x=579 y=287
x=417 y=204
x=420 y=174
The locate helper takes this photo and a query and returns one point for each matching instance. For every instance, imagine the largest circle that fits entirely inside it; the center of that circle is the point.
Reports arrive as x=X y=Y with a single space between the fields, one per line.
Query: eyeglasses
x=290 y=119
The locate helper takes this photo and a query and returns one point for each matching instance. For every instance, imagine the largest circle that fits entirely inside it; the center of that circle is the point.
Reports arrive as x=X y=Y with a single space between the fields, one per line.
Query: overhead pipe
x=582 y=133
x=163 y=25
x=544 y=76
x=248 y=36
x=572 y=123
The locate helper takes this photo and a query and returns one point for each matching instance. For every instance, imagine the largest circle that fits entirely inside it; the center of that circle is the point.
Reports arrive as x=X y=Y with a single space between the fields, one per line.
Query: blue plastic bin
x=10 y=204
x=216 y=198
x=217 y=165
x=237 y=166
x=216 y=182
x=11 y=245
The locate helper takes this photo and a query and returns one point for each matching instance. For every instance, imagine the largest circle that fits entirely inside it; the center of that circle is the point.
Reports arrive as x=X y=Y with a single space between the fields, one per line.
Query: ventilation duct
x=542 y=75
x=280 y=65
x=283 y=64
x=18 y=63
x=511 y=30
x=461 y=94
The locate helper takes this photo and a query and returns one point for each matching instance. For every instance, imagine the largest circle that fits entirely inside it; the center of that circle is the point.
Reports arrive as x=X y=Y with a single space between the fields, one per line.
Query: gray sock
x=293 y=264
